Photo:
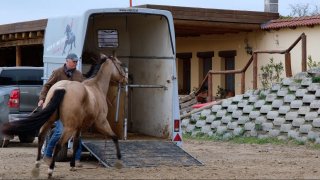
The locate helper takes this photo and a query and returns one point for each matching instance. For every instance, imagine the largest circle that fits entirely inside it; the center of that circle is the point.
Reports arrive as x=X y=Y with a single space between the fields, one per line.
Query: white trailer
x=141 y=38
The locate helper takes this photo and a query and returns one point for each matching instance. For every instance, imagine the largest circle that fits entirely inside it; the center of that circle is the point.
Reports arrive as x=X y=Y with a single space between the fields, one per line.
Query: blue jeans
x=54 y=139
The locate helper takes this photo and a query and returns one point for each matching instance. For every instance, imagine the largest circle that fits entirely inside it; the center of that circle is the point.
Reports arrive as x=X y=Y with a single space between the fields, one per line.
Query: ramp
x=138 y=153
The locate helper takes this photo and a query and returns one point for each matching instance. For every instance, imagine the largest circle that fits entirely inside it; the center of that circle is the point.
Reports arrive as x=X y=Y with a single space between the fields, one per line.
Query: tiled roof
x=292 y=22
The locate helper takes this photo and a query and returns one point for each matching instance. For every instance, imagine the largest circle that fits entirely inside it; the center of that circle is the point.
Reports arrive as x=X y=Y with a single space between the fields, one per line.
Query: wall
x=214 y=43
x=258 y=40
x=283 y=38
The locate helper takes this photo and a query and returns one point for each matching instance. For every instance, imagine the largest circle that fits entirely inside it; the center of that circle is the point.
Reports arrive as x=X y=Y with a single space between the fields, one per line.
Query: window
x=21 y=77
x=108 y=38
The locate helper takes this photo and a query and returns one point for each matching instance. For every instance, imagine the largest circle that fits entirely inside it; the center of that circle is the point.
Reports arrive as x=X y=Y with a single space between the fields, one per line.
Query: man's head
x=71 y=61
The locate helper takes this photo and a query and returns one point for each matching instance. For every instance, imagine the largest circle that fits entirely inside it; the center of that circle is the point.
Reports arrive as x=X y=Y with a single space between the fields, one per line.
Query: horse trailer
x=144 y=40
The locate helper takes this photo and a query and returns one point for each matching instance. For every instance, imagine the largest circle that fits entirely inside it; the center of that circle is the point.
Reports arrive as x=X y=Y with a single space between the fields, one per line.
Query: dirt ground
x=222 y=160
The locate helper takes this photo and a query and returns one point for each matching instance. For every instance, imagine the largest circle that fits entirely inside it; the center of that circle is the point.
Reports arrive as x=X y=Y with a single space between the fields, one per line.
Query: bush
x=271 y=73
x=311 y=63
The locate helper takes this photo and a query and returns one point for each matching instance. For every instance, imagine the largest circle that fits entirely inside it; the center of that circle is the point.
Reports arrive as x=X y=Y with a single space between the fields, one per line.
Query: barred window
x=108 y=38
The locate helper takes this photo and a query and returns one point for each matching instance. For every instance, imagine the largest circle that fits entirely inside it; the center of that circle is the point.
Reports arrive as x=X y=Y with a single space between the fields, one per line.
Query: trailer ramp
x=140 y=153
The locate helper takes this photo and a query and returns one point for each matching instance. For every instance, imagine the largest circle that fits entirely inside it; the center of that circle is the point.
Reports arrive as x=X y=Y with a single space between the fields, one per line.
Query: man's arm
x=51 y=81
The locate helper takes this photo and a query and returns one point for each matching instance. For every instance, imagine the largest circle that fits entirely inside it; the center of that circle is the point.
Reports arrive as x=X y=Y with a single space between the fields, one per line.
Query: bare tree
x=298 y=10
x=316 y=11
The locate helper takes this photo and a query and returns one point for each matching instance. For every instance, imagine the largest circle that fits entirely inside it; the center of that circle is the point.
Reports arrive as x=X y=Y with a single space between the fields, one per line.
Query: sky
x=12 y=11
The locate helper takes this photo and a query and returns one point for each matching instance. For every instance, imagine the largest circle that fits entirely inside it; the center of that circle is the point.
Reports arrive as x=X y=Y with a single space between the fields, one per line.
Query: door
x=206 y=67
x=186 y=75
x=230 y=78
x=184 y=72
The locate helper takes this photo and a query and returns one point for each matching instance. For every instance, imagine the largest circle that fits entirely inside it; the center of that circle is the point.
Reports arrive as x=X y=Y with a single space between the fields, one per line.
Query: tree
x=298 y=10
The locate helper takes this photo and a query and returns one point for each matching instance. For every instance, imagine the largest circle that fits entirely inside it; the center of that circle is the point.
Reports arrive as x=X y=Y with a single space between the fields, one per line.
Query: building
x=207 y=39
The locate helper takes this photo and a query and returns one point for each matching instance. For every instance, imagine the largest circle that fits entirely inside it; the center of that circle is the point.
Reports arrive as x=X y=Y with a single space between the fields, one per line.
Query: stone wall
x=289 y=109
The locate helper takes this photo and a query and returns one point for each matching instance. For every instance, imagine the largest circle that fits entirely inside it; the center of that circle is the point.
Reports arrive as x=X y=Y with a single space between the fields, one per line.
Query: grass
x=316 y=79
x=251 y=140
x=297 y=80
x=254 y=140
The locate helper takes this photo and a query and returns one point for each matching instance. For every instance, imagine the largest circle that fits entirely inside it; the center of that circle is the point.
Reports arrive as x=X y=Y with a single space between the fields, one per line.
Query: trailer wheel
x=26 y=139
x=62 y=154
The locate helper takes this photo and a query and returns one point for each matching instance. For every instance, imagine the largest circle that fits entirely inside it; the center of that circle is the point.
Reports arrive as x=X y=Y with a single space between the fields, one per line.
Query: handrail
x=253 y=60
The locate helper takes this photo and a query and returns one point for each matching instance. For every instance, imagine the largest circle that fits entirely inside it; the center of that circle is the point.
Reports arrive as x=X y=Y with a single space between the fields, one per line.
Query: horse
x=78 y=105
x=70 y=39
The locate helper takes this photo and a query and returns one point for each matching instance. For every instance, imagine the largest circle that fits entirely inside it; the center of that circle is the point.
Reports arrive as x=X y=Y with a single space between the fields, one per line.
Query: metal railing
x=254 y=60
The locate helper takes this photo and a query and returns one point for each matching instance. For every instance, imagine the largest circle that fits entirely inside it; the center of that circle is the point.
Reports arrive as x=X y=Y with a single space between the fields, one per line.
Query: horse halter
x=120 y=69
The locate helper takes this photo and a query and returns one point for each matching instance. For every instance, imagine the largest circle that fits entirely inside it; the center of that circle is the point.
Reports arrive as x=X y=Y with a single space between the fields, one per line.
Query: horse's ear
x=103 y=56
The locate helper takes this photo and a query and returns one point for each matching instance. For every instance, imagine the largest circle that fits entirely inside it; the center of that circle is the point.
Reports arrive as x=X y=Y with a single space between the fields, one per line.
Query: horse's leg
x=43 y=132
x=76 y=142
x=41 y=136
x=63 y=139
x=65 y=45
x=70 y=47
x=106 y=130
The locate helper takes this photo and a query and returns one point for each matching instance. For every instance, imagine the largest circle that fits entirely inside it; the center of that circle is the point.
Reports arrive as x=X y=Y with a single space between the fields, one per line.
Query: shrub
x=271 y=73
x=311 y=63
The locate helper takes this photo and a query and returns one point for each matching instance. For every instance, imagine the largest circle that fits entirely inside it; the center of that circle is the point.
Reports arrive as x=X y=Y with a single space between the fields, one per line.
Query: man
x=66 y=72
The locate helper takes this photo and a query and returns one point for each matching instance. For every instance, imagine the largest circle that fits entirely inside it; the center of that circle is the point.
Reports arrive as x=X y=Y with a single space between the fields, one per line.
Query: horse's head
x=68 y=28
x=118 y=70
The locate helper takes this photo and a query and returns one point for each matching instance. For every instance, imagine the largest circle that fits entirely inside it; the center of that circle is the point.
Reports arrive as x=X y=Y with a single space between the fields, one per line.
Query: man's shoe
x=47 y=160
x=78 y=163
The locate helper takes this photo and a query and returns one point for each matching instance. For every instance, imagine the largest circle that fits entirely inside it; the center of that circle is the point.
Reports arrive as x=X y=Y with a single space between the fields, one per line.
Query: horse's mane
x=93 y=71
x=95 y=67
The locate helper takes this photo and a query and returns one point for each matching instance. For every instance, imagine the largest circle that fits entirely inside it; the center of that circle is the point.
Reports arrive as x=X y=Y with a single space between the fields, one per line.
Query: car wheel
x=26 y=139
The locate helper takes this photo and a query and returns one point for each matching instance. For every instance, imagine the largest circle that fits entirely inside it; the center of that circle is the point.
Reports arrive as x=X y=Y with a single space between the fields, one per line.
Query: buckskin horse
x=78 y=106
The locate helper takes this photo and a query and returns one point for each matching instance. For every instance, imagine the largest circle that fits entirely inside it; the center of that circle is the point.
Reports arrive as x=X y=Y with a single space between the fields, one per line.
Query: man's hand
x=40 y=103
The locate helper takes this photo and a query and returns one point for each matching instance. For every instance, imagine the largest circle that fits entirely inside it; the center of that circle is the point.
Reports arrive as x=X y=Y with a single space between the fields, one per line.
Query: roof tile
x=292 y=22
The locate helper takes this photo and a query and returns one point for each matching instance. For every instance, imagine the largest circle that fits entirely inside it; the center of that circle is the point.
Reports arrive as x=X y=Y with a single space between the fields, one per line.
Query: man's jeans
x=54 y=139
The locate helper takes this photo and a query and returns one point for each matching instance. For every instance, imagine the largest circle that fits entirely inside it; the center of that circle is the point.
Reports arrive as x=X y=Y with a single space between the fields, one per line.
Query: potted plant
x=221 y=92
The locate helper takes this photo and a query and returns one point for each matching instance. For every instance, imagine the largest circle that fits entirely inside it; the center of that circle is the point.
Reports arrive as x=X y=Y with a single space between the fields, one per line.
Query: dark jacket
x=58 y=75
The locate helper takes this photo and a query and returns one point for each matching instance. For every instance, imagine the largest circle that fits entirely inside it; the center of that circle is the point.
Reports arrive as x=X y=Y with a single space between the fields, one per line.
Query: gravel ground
x=222 y=160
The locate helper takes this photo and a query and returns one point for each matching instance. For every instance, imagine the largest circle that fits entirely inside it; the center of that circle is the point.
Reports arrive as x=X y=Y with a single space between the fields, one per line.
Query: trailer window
x=108 y=38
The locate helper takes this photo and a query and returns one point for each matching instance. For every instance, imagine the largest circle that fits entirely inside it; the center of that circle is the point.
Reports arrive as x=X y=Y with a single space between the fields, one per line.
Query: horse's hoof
x=50 y=172
x=72 y=169
x=35 y=172
x=118 y=164
x=37 y=164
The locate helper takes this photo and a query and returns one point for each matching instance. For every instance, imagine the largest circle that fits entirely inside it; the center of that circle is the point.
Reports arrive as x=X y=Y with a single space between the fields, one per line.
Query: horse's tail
x=33 y=123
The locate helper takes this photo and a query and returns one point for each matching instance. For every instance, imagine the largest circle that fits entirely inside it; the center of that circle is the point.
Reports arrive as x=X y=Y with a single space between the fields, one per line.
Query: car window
x=21 y=77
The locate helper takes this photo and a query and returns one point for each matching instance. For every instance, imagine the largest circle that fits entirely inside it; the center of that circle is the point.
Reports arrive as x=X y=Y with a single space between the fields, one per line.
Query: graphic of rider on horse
x=70 y=39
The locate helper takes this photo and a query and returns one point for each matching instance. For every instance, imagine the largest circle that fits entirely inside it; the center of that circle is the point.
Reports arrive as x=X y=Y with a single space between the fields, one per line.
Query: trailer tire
x=26 y=139
x=62 y=154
